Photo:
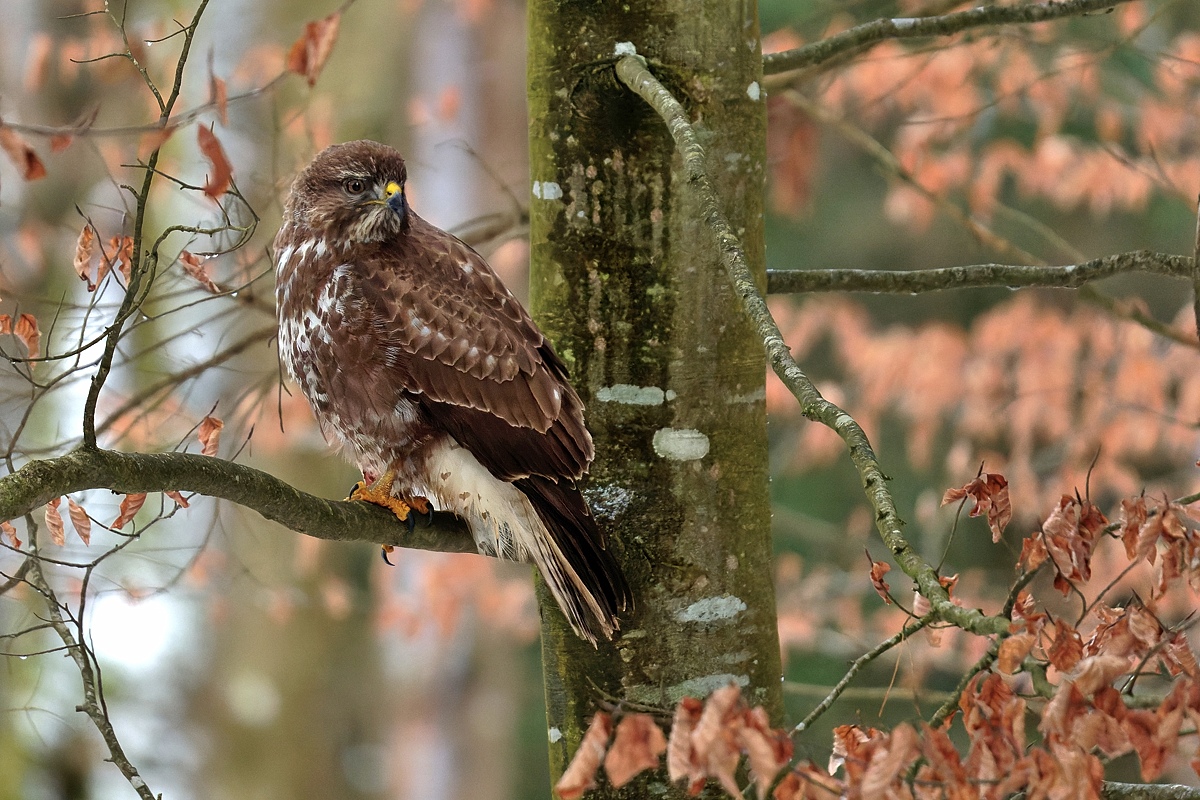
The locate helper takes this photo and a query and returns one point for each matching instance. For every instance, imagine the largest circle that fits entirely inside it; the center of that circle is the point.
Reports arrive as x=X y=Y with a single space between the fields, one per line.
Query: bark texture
x=627 y=280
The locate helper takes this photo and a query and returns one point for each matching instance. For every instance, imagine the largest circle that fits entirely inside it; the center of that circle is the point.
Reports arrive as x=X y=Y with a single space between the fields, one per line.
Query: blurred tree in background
x=229 y=657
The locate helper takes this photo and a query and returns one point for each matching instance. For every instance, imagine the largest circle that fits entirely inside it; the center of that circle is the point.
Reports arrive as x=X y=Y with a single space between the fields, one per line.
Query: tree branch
x=1152 y=791
x=975 y=275
x=871 y=33
x=40 y=481
x=92 y=697
x=634 y=73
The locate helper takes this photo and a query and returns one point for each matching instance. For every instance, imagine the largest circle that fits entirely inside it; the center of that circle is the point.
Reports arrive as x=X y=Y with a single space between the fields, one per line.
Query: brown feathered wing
x=454 y=337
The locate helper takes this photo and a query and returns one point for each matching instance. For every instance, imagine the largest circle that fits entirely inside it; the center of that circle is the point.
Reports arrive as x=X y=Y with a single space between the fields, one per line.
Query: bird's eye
x=354 y=186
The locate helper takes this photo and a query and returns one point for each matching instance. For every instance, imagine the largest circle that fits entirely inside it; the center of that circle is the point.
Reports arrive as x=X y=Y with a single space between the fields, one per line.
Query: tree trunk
x=626 y=280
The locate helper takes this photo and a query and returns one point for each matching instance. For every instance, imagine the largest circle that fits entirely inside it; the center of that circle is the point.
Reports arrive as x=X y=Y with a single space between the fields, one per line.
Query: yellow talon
x=380 y=493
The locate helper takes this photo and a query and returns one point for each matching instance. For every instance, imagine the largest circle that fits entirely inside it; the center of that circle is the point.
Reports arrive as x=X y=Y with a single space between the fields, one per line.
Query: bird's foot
x=379 y=492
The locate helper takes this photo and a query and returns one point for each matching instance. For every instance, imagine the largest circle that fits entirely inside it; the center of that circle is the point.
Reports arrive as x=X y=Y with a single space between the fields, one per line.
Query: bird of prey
x=432 y=378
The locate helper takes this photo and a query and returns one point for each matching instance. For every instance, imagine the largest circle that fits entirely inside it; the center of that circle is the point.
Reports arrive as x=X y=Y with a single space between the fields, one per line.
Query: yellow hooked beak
x=393 y=196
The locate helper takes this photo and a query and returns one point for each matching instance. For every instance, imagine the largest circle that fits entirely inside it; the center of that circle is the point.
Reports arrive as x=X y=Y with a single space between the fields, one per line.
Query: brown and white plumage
x=418 y=361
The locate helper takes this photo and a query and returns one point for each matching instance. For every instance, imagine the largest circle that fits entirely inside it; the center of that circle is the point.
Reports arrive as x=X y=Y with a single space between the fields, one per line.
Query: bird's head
x=352 y=192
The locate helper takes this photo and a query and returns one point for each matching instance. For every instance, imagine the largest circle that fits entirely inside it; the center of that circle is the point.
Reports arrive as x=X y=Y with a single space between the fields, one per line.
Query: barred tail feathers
x=540 y=520
x=579 y=570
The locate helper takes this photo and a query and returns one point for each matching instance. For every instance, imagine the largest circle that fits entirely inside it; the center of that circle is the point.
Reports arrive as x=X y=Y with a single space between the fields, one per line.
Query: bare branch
x=39 y=481
x=143 y=266
x=862 y=37
x=1142 y=791
x=976 y=275
x=92 y=699
x=860 y=662
x=633 y=72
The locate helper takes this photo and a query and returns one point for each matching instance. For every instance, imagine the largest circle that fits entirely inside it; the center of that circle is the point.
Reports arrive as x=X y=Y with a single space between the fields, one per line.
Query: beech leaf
x=130 y=505
x=1013 y=651
x=637 y=746
x=309 y=53
x=7 y=529
x=25 y=329
x=878 y=570
x=193 y=265
x=178 y=498
x=681 y=762
x=80 y=521
x=83 y=256
x=209 y=434
x=54 y=522
x=222 y=171
x=219 y=97
x=118 y=255
x=990 y=493
x=19 y=152
x=580 y=774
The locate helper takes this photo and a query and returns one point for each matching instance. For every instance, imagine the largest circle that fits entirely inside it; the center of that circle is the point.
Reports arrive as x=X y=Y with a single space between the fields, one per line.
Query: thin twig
x=633 y=71
x=866 y=658
x=92 y=704
x=141 y=268
x=1012 y=276
x=863 y=36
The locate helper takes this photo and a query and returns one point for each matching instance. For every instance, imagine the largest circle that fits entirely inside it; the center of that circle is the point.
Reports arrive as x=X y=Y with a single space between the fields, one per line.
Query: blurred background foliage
x=244 y=661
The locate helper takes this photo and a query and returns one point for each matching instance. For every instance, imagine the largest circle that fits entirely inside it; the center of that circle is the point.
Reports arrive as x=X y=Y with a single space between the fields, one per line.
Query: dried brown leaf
x=1098 y=671
x=209 y=434
x=1013 y=651
x=60 y=142
x=768 y=750
x=1133 y=517
x=637 y=746
x=681 y=759
x=219 y=97
x=990 y=493
x=878 y=570
x=54 y=522
x=193 y=265
x=809 y=782
x=26 y=329
x=221 y=175
x=118 y=255
x=84 y=249
x=1033 y=552
x=130 y=505
x=1179 y=658
x=309 y=53
x=713 y=740
x=9 y=531
x=178 y=498
x=888 y=762
x=580 y=774
x=1067 y=649
x=80 y=521
x=22 y=155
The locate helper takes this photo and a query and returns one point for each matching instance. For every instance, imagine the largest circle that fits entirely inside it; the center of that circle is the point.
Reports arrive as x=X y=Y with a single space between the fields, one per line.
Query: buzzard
x=433 y=379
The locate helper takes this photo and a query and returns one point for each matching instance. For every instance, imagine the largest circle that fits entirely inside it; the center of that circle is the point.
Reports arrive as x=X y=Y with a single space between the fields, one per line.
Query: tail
x=580 y=571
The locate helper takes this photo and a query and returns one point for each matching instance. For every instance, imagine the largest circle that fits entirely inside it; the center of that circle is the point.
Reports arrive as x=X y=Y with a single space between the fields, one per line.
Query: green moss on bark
x=627 y=280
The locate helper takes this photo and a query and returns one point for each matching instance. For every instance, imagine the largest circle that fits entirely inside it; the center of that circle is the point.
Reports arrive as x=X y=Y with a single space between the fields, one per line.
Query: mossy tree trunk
x=626 y=280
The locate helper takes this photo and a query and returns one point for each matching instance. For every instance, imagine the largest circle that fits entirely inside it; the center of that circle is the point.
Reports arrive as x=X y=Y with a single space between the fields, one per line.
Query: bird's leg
x=379 y=492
